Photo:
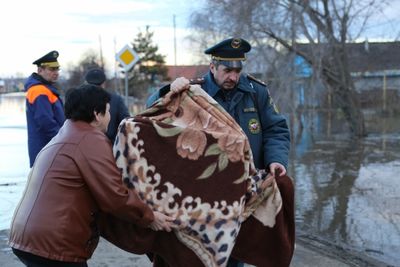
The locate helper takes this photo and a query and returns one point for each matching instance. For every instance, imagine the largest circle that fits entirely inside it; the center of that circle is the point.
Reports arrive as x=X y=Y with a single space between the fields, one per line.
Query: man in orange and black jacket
x=44 y=108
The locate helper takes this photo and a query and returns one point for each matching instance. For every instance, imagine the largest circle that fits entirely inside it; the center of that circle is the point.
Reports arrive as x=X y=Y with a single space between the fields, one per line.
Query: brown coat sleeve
x=97 y=164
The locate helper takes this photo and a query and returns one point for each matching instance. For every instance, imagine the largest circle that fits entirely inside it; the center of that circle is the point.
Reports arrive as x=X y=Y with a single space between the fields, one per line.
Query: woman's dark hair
x=81 y=102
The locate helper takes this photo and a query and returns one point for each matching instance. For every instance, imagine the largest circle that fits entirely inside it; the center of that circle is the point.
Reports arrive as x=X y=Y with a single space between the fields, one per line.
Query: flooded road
x=347 y=191
x=14 y=160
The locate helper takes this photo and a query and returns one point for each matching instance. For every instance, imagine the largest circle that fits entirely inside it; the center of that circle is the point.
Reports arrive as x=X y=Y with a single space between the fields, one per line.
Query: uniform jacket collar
x=35 y=79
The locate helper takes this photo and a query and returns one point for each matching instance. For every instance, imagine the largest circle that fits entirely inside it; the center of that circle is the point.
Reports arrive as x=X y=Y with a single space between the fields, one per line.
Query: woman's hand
x=162 y=222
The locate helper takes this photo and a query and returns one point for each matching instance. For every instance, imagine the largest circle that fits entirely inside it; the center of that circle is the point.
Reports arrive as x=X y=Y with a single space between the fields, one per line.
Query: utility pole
x=384 y=92
x=174 y=40
x=116 y=79
x=174 y=44
x=101 y=53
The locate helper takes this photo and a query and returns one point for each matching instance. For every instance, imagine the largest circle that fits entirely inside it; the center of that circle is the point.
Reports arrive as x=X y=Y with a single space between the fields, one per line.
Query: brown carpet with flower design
x=186 y=157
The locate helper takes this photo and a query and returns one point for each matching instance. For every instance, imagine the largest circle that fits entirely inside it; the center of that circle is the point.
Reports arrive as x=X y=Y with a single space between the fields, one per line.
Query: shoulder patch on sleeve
x=251 y=77
x=37 y=90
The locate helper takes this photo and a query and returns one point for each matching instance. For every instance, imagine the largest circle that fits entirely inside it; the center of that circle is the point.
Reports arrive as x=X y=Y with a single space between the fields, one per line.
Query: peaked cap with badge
x=230 y=52
x=48 y=60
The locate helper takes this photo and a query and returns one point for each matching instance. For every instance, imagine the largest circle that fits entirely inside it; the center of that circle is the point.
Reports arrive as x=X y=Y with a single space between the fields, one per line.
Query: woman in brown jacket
x=73 y=179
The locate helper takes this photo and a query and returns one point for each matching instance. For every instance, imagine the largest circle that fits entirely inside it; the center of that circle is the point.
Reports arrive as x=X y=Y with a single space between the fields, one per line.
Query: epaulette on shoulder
x=251 y=77
x=197 y=81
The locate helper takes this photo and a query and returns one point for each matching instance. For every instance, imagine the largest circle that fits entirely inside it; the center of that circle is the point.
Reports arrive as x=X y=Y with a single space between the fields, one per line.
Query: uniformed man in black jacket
x=248 y=101
x=118 y=109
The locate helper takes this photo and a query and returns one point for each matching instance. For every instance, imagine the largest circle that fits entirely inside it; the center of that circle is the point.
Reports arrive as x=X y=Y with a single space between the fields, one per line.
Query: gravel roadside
x=309 y=252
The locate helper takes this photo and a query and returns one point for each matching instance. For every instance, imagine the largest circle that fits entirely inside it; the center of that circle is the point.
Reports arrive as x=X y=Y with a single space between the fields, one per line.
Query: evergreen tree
x=150 y=69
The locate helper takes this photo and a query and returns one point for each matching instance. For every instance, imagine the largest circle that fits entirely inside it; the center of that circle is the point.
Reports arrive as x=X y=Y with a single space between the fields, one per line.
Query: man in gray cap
x=248 y=101
x=44 y=108
x=118 y=110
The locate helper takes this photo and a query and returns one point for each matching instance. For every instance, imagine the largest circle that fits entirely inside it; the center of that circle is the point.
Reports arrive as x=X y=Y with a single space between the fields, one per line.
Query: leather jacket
x=73 y=179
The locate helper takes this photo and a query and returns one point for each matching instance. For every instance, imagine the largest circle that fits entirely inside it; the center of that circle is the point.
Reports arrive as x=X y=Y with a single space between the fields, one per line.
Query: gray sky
x=30 y=29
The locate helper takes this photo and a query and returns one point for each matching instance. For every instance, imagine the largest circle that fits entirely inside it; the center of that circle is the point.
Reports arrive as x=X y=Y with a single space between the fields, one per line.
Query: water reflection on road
x=14 y=161
x=347 y=191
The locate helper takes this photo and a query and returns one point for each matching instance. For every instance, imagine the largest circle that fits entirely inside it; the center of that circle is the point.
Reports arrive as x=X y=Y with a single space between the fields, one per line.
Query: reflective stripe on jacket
x=44 y=115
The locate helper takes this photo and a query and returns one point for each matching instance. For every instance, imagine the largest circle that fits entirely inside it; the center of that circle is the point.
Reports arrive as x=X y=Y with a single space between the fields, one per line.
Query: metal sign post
x=127 y=57
x=126 y=89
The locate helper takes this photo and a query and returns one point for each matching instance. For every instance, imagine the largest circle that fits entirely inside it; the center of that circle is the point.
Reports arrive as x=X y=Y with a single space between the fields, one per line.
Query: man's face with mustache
x=225 y=77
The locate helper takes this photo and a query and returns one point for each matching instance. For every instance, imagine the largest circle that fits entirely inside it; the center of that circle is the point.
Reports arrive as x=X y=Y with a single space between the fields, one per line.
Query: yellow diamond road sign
x=127 y=57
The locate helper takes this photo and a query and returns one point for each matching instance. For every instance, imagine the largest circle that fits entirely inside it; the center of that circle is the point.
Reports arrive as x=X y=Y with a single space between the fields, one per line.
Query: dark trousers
x=31 y=260
x=234 y=263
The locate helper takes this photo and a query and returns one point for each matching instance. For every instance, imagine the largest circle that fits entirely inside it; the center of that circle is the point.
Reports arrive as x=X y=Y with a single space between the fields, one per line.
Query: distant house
x=187 y=71
x=374 y=66
x=372 y=62
x=10 y=85
x=2 y=87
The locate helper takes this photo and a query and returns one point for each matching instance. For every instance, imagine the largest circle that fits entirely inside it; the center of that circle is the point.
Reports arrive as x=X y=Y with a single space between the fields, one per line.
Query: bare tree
x=326 y=25
x=89 y=59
